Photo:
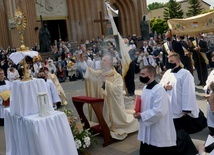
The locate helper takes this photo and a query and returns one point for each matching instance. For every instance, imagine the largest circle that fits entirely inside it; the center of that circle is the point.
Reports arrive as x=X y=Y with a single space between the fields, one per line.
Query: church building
x=70 y=20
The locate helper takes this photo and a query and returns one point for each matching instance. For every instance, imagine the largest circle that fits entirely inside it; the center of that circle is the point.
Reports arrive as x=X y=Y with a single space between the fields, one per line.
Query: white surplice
x=156 y=123
x=182 y=95
x=210 y=115
x=3 y=88
x=52 y=92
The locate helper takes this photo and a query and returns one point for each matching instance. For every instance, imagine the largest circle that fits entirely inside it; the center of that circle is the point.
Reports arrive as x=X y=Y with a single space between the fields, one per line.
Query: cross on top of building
x=101 y=21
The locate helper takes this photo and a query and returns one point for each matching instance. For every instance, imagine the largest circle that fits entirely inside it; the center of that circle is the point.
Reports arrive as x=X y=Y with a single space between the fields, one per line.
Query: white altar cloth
x=35 y=135
x=23 y=99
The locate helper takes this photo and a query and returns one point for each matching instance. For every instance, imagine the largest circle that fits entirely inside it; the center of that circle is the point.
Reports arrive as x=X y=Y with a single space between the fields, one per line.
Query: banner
x=192 y=26
x=122 y=48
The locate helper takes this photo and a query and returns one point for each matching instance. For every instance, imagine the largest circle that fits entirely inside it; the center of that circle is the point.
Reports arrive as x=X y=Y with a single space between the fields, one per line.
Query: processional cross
x=101 y=21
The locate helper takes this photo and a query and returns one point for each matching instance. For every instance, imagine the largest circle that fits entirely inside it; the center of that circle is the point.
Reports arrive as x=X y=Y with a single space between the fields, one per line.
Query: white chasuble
x=119 y=122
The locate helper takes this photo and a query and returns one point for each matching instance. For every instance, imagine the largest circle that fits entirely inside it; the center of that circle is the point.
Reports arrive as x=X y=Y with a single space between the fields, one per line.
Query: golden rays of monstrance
x=20 y=23
x=20 y=20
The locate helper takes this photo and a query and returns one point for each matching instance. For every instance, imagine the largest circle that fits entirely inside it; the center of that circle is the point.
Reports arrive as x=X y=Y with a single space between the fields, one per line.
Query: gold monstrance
x=20 y=22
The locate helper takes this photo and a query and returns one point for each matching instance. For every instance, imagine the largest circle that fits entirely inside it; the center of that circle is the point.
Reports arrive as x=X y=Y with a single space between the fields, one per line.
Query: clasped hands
x=137 y=115
x=197 y=48
x=168 y=86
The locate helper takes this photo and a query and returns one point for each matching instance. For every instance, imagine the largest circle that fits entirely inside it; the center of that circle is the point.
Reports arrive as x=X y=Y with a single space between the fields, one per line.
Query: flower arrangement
x=82 y=137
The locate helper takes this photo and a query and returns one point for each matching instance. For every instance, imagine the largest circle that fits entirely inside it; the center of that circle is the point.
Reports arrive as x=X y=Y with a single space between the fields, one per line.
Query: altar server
x=180 y=86
x=157 y=132
x=155 y=117
x=4 y=95
x=52 y=92
x=209 y=90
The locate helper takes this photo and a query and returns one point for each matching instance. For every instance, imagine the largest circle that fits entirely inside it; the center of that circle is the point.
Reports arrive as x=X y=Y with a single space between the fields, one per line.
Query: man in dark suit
x=199 y=49
x=187 y=55
x=130 y=75
x=172 y=45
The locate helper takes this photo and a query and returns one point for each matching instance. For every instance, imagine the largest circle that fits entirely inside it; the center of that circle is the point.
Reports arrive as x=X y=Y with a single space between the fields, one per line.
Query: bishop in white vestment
x=108 y=84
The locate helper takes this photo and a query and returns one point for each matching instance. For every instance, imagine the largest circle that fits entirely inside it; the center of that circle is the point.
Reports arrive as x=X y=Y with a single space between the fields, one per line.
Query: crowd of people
x=169 y=104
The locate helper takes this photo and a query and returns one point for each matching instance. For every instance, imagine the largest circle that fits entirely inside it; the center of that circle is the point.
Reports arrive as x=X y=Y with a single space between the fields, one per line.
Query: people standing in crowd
x=180 y=86
x=88 y=60
x=187 y=59
x=97 y=61
x=199 y=49
x=12 y=73
x=60 y=67
x=132 y=45
x=146 y=48
x=5 y=87
x=72 y=70
x=36 y=65
x=4 y=64
x=157 y=55
x=148 y=60
x=152 y=43
x=51 y=67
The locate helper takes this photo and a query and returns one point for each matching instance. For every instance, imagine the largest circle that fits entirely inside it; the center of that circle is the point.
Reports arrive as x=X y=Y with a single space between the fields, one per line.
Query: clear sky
x=211 y=2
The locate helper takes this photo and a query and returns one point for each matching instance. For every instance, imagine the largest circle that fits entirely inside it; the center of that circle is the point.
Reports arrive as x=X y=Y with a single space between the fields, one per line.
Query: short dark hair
x=150 y=69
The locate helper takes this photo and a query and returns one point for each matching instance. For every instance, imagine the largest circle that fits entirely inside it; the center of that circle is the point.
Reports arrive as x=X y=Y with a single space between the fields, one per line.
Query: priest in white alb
x=108 y=84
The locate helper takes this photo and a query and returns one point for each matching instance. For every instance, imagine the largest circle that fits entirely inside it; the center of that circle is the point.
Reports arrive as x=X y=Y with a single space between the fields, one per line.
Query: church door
x=57 y=29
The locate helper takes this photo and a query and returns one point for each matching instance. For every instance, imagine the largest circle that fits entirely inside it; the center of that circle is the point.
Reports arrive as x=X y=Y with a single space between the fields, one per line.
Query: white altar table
x=23 y=99
x=35 y=135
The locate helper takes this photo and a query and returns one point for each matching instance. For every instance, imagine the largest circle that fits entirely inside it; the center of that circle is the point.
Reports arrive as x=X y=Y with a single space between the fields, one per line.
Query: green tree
x=206 y=11
x=158 y=25
x=194 y=8
x=155 y=5
x=173 y=10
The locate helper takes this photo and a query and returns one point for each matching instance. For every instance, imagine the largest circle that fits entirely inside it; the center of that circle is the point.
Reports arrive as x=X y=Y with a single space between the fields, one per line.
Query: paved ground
x=130 y=145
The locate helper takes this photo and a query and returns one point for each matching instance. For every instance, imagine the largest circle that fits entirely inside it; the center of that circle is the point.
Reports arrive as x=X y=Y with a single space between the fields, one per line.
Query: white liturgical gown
x=52 y=92
x=210 y=115
x=182 y=95
x=3 y=88
x=119 y=121
x=156 y=123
